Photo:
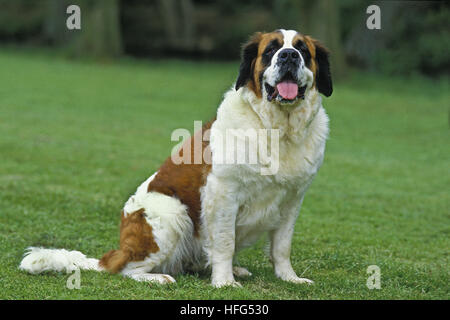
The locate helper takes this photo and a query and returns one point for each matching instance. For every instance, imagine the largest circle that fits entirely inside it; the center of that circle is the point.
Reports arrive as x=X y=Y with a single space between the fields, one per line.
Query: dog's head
x=281 y=66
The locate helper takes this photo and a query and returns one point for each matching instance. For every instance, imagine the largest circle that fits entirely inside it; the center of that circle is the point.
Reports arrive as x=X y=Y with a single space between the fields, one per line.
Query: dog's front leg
x=280 y=248
x=220 y=210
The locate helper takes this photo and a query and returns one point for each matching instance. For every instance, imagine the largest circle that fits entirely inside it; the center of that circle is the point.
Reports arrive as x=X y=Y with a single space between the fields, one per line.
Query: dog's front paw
x=286 y=273
x=226 y=283
x=241 y=272
x=153 y=277
x=298 y=280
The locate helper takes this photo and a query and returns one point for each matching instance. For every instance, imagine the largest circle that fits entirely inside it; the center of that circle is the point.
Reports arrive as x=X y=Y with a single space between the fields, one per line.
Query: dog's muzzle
x=287 y=88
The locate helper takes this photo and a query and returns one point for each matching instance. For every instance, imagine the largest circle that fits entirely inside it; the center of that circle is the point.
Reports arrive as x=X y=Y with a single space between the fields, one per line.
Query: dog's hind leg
x=155 y=237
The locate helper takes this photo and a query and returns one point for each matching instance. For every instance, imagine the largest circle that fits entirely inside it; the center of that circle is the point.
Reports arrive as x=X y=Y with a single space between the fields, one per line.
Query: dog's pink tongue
x=288 y=90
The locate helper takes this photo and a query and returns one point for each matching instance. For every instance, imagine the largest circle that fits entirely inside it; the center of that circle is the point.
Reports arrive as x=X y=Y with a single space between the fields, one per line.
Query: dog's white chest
x=258 y=213
x=267 y=198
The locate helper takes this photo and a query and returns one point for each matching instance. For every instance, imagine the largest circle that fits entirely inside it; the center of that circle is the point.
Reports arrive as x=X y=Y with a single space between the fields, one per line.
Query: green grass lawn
x=77 y=138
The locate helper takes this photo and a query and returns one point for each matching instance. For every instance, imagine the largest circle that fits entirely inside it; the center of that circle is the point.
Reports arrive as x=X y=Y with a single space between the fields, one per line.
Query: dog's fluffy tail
x=37 y=260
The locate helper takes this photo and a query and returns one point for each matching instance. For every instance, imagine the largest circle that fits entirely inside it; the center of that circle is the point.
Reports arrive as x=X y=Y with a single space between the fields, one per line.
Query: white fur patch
x=288 y=36
x=134 y=202
x=173 y=232
x=37 y=260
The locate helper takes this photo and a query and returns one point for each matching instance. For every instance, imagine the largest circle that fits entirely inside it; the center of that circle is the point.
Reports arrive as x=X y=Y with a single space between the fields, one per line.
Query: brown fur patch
x=184 y=181
x=258 y=67
x=136 y=242
x=312 y=50
x=317 y=49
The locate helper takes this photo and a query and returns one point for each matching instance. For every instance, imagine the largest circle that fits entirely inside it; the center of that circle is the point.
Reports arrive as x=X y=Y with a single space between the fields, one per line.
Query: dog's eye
x=270 y=51
x=300 y=46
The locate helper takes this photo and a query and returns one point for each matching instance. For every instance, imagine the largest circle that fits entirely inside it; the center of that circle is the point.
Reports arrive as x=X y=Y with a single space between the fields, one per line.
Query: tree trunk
x=321 y=21
x=325 y=22
x=55 y=30
x=170 y=18
x=100 y=34
x=179 y=23
x=187 y=9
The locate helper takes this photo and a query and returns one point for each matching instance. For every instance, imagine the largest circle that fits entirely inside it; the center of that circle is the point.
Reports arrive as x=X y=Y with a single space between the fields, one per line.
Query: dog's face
x=281 y=66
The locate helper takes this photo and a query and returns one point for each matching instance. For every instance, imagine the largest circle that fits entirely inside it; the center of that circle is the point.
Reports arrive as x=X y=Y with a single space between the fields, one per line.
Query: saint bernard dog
x=187 y=217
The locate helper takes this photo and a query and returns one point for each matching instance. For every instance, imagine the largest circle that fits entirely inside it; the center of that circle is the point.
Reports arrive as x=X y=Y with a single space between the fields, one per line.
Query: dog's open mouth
x=287 y=90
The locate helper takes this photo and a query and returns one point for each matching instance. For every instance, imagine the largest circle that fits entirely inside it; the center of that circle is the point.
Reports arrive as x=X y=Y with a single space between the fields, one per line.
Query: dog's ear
x=323 y=75
x=248 y=56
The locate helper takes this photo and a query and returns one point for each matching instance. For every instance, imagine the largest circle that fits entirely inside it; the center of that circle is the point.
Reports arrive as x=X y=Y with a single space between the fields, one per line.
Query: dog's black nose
x=288 y=55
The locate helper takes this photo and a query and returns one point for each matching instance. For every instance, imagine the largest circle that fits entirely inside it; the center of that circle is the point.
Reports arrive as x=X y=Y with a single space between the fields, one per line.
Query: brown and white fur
x=189 y=216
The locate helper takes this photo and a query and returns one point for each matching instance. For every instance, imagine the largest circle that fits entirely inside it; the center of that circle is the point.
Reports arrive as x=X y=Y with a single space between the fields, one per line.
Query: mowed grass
x=77 y=138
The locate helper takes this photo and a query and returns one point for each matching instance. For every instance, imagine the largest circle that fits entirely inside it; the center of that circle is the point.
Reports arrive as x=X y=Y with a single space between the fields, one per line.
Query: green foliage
x=77 y=138
x=21 y=19
x=352 y=13
x=418 y=41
